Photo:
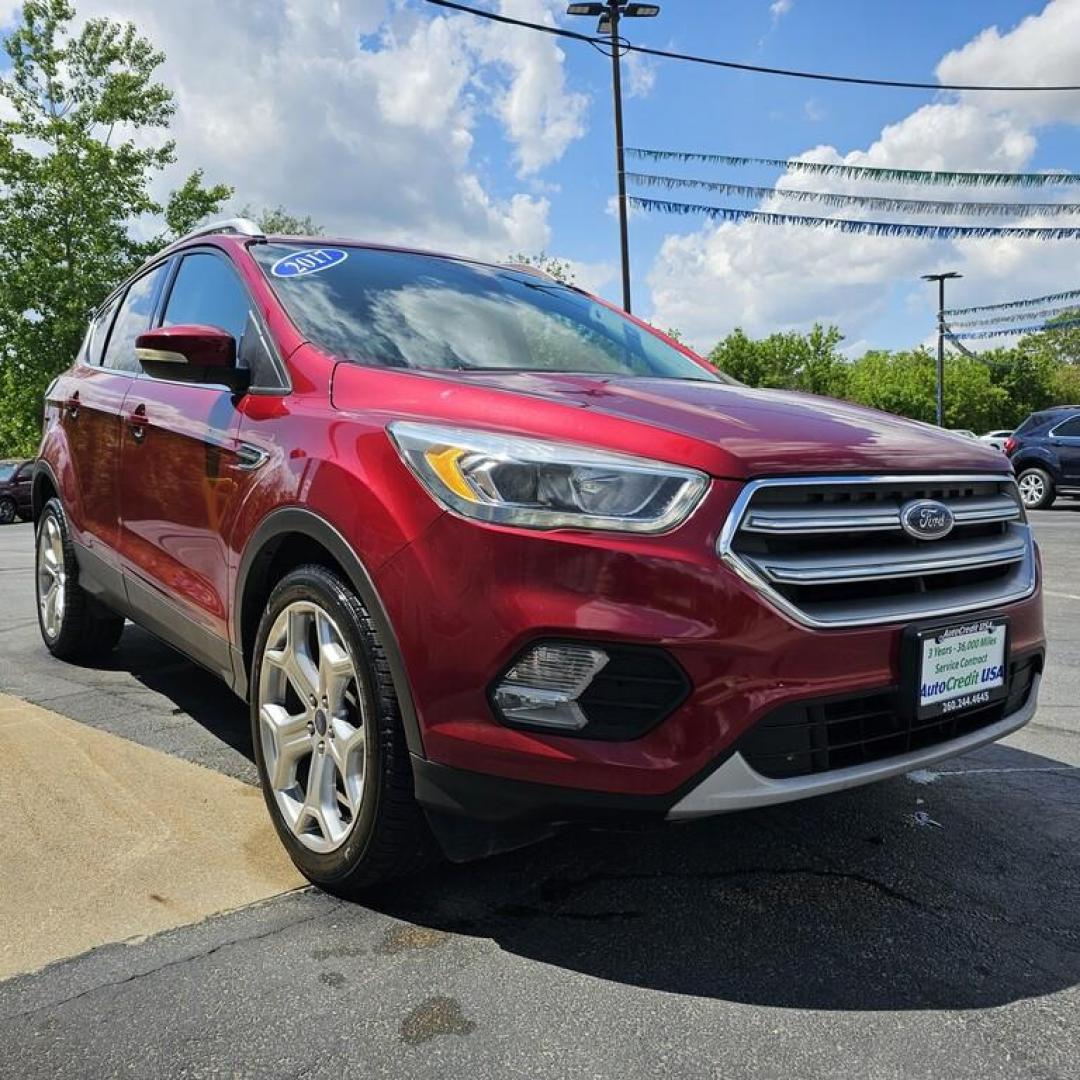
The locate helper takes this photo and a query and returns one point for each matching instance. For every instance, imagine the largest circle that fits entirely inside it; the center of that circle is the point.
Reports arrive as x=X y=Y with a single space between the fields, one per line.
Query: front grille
x=815 y=737
x=832 y=552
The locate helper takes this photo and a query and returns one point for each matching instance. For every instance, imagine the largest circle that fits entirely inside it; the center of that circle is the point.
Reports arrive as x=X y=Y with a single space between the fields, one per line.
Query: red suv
x=488 y=556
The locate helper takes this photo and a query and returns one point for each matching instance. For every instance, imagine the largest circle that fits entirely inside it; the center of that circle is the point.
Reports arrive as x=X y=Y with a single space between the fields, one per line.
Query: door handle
x=137 y=423
x=71 y=406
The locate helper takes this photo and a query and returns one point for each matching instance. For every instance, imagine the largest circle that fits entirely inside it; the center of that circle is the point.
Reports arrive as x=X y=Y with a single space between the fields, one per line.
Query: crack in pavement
x=166 y=964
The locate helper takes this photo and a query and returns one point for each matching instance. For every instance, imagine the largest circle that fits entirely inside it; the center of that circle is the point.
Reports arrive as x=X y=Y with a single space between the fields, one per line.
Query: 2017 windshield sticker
x=308 y=261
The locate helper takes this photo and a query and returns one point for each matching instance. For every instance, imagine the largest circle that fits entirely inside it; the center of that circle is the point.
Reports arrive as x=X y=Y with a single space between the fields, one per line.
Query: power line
x=869 y=228
x=865 y=172
x=732 y=65
x=868 y=202
x=1050 y=298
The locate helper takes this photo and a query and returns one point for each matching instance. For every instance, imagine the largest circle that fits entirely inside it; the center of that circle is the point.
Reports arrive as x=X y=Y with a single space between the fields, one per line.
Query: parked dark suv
x=16 y=479
x=1045 y=451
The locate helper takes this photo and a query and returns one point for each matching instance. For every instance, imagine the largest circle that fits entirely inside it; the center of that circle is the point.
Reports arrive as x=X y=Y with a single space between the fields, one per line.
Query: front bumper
x=465 y=599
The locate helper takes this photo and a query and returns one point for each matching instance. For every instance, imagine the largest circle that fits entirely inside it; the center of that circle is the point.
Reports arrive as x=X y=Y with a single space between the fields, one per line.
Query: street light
x=941 y=279
x=609 y=13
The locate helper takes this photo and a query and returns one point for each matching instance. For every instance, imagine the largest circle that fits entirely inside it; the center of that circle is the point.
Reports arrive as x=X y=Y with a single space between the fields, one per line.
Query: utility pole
x=609 y=13
x=941 y=279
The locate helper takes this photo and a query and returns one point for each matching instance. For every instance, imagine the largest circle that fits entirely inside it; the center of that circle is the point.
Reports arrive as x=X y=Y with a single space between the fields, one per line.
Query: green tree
x=1060 y=345
x=278 y=221
x=786 y=361
x=559 y=269
x=77 y=154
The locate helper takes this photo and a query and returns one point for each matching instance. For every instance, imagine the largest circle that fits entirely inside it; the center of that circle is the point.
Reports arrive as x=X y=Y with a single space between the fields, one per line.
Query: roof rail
x=237 y=226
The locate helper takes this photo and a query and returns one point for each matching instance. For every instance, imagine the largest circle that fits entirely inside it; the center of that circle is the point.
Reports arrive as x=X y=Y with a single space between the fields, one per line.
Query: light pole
x=609 y=13
x=941 y=279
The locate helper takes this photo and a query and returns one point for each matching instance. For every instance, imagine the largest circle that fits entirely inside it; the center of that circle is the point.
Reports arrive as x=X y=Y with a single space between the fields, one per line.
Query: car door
x=86 y=402
x=187 y=475
x=1065 y=438
x=22 y=483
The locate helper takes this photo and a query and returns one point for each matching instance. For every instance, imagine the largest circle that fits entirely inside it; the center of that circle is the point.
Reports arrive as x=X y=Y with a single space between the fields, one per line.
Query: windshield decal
x=308 y=261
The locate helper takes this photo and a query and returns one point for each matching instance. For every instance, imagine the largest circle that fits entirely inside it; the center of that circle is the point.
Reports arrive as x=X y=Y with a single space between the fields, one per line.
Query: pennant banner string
x=866 y=202
x=1040 y=328
x=866 y=172
x=1034 y=301
x=1017 y=316
x=868 y=228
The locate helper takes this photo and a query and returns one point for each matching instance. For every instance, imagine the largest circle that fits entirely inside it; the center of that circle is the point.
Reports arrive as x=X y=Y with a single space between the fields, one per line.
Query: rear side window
x=1069 y=428
x=99 y=332
x=1032 y=422
x=132 y=320
x=207 y=291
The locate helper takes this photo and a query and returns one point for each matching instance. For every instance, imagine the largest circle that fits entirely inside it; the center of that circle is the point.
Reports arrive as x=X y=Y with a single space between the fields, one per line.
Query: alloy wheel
x=1032 y=489
x=51 y=577
x=7 y=511
x=313 y=726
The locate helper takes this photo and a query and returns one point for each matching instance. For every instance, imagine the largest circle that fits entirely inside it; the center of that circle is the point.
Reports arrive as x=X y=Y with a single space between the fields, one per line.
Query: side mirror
x=190 y=353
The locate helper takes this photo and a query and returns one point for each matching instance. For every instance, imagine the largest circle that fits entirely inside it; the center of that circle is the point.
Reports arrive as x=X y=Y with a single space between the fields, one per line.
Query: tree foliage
x=77 y=154
x=559 y=269
x=277 y=221
x=994 y=389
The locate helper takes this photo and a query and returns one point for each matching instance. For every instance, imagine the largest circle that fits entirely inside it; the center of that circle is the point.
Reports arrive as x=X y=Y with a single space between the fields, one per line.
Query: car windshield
x=404 y=310
x=7 y=470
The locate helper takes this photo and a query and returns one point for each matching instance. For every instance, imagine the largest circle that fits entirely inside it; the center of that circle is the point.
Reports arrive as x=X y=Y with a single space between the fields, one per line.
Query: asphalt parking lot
x=928 y=926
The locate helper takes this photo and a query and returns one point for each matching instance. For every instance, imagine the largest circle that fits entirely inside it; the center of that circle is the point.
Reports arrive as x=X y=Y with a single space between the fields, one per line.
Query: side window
x=132 y=320
x=24 y=473
x=99 y=332
x=208 y=292
x=1070 y=428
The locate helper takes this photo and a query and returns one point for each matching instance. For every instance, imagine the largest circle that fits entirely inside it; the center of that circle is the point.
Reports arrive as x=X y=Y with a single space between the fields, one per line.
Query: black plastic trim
x=296 y=519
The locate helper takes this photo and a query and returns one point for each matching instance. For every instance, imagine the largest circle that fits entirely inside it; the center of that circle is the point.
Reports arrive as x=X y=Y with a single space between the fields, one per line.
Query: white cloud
x=779 y=8
x=766 y=278
x=362 y=113
x=640 y=75
x=539 y=114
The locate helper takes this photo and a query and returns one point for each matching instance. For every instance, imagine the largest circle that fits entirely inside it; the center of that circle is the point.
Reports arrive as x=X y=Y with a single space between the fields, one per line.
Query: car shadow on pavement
x=190 y=688
x=956 y=892
x=959 y=889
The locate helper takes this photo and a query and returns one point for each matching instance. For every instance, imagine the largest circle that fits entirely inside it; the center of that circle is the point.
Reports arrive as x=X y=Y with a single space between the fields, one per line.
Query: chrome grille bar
x=831 y=552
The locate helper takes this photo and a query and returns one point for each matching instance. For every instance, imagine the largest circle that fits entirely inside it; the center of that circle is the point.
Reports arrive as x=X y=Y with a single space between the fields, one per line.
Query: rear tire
x=1036 y=489
x=7 y=511
x=74 y=626
x=328 y=738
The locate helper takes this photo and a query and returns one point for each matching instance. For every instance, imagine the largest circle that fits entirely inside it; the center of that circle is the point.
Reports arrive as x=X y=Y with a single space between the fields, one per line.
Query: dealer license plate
x=961 y=667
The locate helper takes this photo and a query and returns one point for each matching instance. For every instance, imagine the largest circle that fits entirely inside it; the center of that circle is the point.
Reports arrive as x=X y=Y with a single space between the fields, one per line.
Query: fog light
x=544 y=685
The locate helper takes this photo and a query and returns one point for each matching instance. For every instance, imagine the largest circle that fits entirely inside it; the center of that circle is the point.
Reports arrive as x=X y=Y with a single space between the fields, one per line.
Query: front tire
x=74 y=626
x=329 y=744
x=1036 y=489
x=7 y=511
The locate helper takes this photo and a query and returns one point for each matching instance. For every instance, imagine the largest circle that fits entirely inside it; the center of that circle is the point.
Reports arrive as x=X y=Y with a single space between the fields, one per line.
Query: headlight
x=542 y=485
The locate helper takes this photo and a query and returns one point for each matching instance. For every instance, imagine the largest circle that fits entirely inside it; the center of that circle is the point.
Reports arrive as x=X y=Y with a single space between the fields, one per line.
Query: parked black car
x=15 y=477
x=1045 y=449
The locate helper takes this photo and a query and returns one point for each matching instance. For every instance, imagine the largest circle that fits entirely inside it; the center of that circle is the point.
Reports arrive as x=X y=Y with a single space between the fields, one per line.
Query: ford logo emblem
x=926 y=519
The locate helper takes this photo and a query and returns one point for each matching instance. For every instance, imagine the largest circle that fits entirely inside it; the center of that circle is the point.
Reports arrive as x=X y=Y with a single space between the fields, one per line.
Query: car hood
x=730 y=431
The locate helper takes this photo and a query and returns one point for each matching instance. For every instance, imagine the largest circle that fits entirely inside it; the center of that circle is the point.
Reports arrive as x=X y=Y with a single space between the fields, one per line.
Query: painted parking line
x=1061 y=595
x=105 y=840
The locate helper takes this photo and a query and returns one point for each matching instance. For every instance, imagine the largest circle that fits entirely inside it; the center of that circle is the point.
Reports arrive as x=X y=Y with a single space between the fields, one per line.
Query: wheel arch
x=44 y=487
x=289 y=537
x=1038 y=458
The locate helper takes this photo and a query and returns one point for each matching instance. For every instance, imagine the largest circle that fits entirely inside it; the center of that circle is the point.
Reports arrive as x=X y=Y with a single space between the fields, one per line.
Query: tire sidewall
x=327 y=590
x=54 y=510
x=1048 y=487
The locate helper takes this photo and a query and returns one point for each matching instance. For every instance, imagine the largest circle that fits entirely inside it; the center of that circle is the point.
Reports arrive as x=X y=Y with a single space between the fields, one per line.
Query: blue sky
x=395 y=120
